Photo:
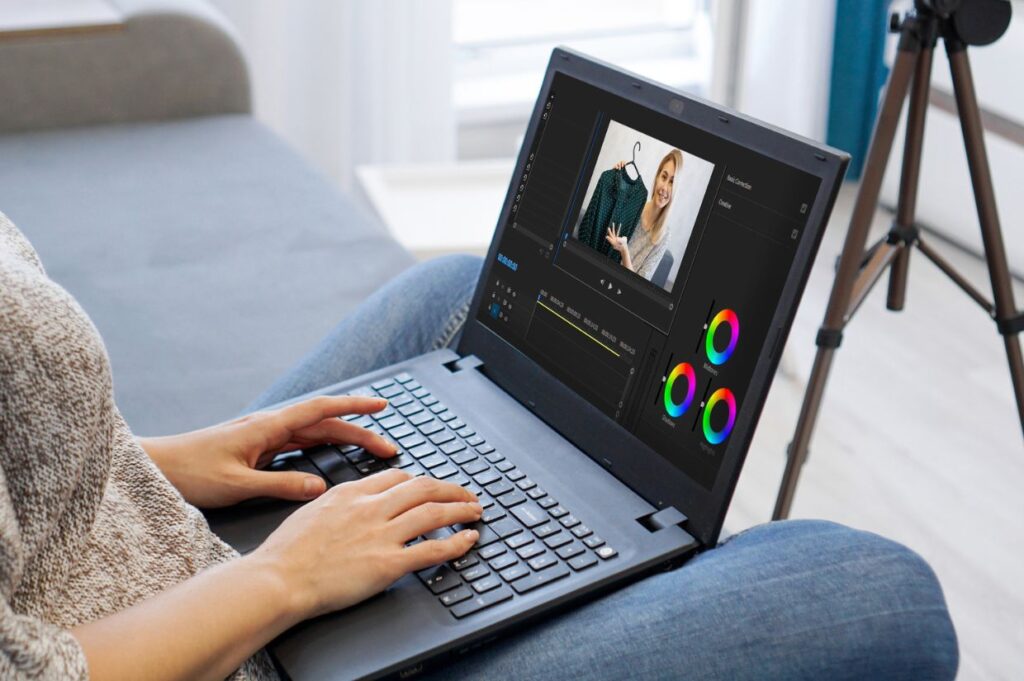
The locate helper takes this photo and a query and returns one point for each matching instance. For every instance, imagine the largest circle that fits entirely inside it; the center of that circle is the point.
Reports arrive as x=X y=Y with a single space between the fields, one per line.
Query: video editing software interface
x=642 y=263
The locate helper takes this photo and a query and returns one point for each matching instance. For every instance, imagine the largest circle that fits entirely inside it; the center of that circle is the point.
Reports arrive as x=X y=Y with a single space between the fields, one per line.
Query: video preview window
x=642 y=202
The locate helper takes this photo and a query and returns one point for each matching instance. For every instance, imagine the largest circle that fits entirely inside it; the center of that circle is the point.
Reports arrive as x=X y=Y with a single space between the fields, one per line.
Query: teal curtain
x=858 y=73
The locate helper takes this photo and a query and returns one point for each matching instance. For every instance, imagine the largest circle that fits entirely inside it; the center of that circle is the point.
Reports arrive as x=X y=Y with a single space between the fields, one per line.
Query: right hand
x=349 y=544
x=619 y=166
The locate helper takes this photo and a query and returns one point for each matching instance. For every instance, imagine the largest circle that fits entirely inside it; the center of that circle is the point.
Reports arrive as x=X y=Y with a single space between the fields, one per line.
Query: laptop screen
x=641 y=264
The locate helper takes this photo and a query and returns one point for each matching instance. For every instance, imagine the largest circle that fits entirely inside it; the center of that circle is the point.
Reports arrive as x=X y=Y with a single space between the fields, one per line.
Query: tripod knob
x=894 y=22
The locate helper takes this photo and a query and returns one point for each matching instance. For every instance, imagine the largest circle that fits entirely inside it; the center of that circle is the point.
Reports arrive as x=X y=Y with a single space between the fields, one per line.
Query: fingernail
x=472 y=535
x=477 y=507
x=311 y=486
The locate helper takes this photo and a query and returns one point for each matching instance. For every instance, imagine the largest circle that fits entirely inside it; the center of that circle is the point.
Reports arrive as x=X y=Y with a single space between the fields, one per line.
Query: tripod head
x=969 y=22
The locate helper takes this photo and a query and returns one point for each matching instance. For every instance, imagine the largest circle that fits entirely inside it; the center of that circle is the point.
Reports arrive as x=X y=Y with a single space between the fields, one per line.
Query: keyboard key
x=511 y=499
x=456 y=424
x=486 y=584
x=556 y=540
x=476 y=572
x=437 y=408
x=465 y=457
x=431 y=427
x=569 y=521
x=392 y=421
x=486 y=478
x=420 y=451
x=474 y=467
x=546 y=502
x=544 y=560
x=421 y=419
x=333 y=465
x=420 y=393
x=504 y=466
x=581 y=531
x=409 y=409
x=416 y=470
x=403 y=377
x=558 y=512
x=606 y=552
x=526 y=484
x=464 y=432
x=506 y=527
x=441 y=579
x=494 y=457
x=372 y=466
x=546 y=530
x=401 y=461
x=440 y=437
x=582 y=562
x=518 y=540
x=515 y=475
x=391 y=391
x=487 y=536
x=492 y=514
x=381 y=384
x=529 y=551
x=400 y=401
x=593 y=541
x=498 y=487
x=446 y=416
x=445 y=471
x=404 y=430
x=567 y=552
x=536 y=492
x=450 y=448
x=468 y=560
x=485 y=501
x=456 y=596
x=428 y=401
x=493 y=597
x=411 y=385
x=485 y=449
x=491 y=551
x=502 y=562
x=530 y=514
x=474 y=440
x=540 y=579
x=515 y=572
x=411 y=441
x=433 y=461
x=460 y=480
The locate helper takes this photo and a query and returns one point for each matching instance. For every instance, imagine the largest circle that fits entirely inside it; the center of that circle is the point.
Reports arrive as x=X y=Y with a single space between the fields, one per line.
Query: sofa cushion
x=208 y=254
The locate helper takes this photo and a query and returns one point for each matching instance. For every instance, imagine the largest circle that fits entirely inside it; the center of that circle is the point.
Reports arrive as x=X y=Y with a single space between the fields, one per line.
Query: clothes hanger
x=636 y=148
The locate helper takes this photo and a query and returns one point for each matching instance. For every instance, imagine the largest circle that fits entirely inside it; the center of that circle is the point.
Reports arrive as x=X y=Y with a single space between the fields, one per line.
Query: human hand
x=220 y=466
x=351 y=542
x=615 y=238
x=619 y=166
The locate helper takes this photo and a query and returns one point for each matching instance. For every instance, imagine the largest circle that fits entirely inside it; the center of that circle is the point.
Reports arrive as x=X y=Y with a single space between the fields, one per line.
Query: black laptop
x=645 y=270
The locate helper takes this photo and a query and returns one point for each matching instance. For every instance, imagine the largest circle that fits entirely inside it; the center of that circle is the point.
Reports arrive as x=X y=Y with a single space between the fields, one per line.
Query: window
x=502 y=46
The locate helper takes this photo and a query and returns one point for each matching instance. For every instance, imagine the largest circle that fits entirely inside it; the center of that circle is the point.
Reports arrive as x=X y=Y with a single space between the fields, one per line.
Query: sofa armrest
x=172 y=59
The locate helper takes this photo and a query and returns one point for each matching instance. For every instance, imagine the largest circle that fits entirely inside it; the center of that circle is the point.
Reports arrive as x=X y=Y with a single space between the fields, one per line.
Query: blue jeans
x=784 y=600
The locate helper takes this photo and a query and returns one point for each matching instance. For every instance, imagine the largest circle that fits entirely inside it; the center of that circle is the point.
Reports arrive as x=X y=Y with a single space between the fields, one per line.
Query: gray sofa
x=209 y=255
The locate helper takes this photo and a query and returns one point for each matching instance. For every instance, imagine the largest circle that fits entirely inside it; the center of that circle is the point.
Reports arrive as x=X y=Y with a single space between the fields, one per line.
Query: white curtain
x=350 y=82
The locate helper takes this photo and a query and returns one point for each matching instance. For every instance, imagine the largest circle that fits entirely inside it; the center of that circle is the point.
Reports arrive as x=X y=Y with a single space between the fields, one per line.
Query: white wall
x=349 y=82
x=787 y=63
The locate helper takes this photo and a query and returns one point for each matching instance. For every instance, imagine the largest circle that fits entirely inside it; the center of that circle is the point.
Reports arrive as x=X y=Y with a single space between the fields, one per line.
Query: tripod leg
x=906 y=204
x=837 y=312
x=985 y=200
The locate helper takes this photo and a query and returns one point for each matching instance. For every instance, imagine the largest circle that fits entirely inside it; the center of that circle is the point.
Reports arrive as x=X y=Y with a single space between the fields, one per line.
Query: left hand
x=220 y=466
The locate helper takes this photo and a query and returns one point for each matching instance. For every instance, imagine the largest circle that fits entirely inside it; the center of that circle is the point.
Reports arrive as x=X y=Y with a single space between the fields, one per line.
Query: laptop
x=602 y=396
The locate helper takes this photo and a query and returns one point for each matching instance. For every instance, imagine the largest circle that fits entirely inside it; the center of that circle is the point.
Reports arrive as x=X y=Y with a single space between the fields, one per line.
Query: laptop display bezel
x=633 y=462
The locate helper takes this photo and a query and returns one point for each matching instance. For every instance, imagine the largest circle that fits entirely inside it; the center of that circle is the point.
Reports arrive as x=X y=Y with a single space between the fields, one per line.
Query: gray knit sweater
x=88 y=524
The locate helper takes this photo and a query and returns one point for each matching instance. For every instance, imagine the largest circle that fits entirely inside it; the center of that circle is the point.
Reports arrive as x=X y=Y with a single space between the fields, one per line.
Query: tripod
x=859 y=270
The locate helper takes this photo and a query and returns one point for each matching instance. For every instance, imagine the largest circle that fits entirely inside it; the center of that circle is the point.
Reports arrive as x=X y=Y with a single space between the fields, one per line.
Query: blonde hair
x=676 y=157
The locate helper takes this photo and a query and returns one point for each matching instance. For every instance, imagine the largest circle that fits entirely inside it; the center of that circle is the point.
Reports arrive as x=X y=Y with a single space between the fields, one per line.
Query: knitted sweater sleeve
x=33 y=649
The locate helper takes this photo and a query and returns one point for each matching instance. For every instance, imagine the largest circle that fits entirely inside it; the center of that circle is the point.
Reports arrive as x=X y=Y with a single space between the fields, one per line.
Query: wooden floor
x=918 y=440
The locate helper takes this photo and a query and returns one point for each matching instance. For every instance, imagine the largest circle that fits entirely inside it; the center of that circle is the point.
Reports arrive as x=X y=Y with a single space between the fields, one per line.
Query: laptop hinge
x=666 y=517
x=464 y=364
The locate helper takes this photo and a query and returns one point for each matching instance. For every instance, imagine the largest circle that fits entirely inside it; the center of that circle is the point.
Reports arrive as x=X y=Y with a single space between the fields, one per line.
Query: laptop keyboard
x=527 y=538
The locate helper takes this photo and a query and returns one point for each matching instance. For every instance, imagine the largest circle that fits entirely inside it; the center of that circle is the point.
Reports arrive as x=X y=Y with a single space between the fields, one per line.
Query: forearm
x=203 y=628
x=627 y=261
